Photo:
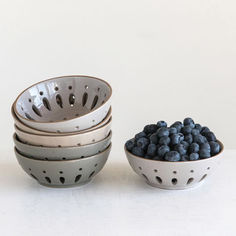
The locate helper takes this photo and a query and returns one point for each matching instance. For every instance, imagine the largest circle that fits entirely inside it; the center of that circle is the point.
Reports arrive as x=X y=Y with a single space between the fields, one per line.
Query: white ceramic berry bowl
x=71 y=140
x=174 y=175
x=28 y=129
x=64 y=104
x=65 y=173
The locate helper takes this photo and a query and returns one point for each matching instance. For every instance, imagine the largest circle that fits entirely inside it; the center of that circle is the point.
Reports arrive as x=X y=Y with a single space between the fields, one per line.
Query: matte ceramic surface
x=64 y=104
x=63 y=173
x=65 y=140
x=28 y=129
x=56 y=153
x=173 y=175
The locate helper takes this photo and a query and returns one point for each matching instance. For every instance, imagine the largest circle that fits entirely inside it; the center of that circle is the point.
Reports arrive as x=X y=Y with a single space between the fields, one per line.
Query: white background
x=165 y=60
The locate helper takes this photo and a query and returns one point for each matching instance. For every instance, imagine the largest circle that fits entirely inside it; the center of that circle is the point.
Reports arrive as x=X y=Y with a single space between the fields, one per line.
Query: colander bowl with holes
x=56 y=153
x=174 y=175
x=65 y=173
x=70 y=140
x=28 y=129
x=64 y=104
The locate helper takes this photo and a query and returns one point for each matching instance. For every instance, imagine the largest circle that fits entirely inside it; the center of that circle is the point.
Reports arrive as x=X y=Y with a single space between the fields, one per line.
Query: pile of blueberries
x=185 y=141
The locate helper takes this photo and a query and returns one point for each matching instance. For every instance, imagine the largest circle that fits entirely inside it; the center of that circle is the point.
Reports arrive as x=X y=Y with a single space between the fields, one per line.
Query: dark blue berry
x=193 y=156
x=161 y=123
x=158 y=158
x=140 y=135
x=153 y=139
x=205 y=129
x=184 y=158
x=137 y=151
x=142 y=143
x=194 y=147
x=151 y=150
x=185 y=144
x=181 y=137
x=204 y=153
x=205 y=146
x=178 y=125
x=190 y=122
x=195 y=132
x=198 y=126
x=164 y=140
x=162 y=150
x=163 y=131
x=210 y=136
x=215 y=147
x=188 y=138
x=199 y=139
x=172 y=156
x=186 y=129
x=173 y=130
x=174 y=139
x=150 y=129
x=129 y=144
x=180 y=149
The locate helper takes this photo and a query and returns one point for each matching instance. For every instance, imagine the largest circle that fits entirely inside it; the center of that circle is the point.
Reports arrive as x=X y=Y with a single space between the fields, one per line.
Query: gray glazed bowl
x=174 y=175
x=61 y=153
x=66 y=173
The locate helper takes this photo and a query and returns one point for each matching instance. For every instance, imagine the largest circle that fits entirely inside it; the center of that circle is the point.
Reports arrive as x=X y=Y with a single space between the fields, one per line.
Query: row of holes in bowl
x=174 y=181
x=59 y=101
x=174 y=171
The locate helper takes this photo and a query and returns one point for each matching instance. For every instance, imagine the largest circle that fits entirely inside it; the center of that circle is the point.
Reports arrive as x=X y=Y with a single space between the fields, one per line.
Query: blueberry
x=173 y=130
x=180 y=149
x=185 y=144
x=150 y=129
x=198 y=126
x=137 y=151
x=163 y=131
x=158 y=158
x=164 y=140
x=204 y=153
x=181 y=137
x=151 y=150
x=184 y=158
x=142 y=143
x=140 y=135
x=175 y=139
x=186 y=129
x=205 y=146
x=199 y=139
x=129 y=144
x=215 y=147
x=190 y=122
x=161 y=123
x=194 y=147
x=178 y=125
x=210 y=136
x=154 y=139
x=205 y=129
x=172 y=156
x=195 y=132
x=162 y=150
x=188 y=138
x=147 y=156
x=194 y=156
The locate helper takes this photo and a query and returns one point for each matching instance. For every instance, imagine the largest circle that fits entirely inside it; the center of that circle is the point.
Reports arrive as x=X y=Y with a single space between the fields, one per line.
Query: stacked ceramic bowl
x=63 y=129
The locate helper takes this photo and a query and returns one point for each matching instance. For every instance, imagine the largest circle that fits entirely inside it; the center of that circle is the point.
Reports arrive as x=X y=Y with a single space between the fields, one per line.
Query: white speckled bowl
x=64 y=104
x=173 y=175
x=71 y=140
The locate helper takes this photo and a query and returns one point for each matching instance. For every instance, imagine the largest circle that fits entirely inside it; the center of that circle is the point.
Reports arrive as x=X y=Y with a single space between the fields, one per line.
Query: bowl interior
x=62 y=98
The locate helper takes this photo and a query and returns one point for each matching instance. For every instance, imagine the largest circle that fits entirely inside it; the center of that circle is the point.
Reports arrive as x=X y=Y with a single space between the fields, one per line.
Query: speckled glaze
x=65 y=140
x=173 y=175
x=64 y=104
x=66 y=153
x=66 y=173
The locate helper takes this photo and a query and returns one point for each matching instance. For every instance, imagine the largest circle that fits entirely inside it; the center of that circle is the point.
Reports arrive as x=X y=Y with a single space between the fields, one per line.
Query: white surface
x=164 y=60
x=117 y=202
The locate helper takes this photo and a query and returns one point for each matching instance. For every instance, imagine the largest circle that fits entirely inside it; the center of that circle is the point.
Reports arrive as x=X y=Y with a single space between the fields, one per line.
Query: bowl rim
x=60 y=77
x=172 y=162
x=15 y=117
x=109 y=136
x=60 y=161
x=66 y=135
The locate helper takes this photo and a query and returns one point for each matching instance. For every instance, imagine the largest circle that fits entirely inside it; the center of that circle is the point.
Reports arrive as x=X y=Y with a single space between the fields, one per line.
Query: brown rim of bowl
x=221 y=145
x=60 y=77
x=61 y=136
x=49 y=133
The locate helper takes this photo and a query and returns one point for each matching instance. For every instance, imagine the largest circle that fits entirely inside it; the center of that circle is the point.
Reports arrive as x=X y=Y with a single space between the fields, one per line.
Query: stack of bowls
x=63 y=129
